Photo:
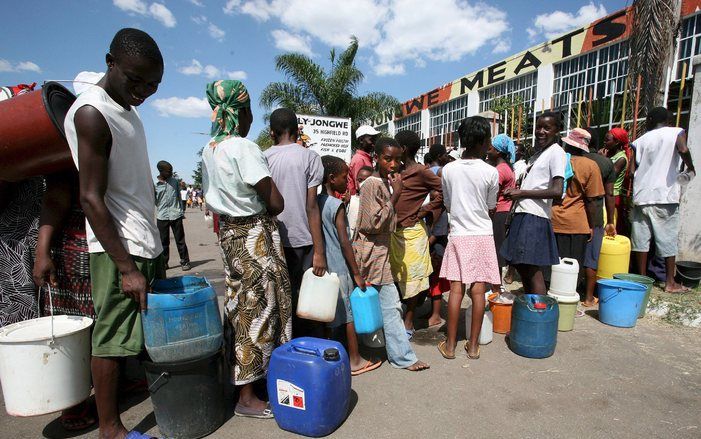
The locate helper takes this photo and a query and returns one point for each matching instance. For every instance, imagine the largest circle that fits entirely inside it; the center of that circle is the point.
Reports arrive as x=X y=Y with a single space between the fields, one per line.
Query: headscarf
x=226 y=97
x=620 y=135
x=504 y=144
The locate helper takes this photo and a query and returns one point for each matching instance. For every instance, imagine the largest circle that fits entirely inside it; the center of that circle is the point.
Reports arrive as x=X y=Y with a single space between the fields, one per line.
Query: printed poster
x=326 y=135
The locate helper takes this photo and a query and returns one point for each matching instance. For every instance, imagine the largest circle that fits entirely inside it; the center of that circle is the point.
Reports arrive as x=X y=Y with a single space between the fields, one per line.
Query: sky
x=407 y=47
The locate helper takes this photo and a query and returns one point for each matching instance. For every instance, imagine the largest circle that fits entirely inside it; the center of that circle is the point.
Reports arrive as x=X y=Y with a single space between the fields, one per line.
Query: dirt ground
x=601 y=382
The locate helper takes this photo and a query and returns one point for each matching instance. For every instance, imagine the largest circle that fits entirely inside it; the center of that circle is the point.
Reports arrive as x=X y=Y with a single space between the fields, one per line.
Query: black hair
x=410 y=140
x=284 y=120
x=428 y=158
x=332 y=165
x=136 y=43
x=594 y=141
x=437 y=150
x=657 y=116
x=384 y=142
x=473 y=131
x=162 y=165
x=366 y=168
x=556 y=116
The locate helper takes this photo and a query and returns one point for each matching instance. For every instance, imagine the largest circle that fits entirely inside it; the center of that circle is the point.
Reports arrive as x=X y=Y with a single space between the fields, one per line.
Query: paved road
x=602 y=382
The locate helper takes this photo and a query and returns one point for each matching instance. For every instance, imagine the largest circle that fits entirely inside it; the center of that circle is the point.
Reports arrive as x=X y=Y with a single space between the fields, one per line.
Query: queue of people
x=410 y=230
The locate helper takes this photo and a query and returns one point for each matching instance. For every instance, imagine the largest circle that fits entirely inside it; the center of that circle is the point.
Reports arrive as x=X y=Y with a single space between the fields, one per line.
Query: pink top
x=360 y=159
x=506 y=181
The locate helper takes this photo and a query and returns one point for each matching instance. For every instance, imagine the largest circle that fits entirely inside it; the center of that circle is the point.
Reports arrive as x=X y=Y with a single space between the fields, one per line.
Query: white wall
x=690 y=206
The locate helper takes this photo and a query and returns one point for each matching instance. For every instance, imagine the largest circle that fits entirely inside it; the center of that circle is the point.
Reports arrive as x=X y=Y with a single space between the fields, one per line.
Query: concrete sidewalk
x=602 y=382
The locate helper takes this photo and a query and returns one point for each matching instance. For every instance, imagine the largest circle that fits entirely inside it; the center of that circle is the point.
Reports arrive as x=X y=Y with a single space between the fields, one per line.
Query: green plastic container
x=568 y=310
x=648 y=282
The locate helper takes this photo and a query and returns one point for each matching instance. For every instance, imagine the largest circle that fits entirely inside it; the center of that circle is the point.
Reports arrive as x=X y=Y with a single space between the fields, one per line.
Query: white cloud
x=196 y=68
x=383 y=69
x=502 y=46
x=290 y=42
x=216 y=32
x=157 y=11
x=397 y=31
x=162 y=14
x=182 y=107
x=197 y=3
x=200 y=19
x=136 y=6
x=237 y=74
x=22 y=66
x=556 y=23
x=230 y=6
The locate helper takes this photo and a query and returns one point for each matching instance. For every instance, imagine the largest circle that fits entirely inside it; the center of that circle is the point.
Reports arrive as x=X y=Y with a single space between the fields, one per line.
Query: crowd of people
x=413 y=231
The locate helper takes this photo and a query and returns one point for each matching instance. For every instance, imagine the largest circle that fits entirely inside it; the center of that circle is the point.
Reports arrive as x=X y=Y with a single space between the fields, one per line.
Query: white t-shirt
x=657 y=167
x=520 y=168
x=470 y=188
x=550 y=164
x=229 y=172
x=183 y=194
x=130 y=196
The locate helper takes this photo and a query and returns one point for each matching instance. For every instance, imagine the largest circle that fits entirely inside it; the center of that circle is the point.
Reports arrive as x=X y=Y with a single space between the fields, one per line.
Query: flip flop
x=136 y=435
x=248 y=412
x=596 y=300
x=467 y=351
x=441 y=349
x=579 y=313
x=78 y=421
x=369 y=366
x=437 y=325
x=410 y=333
x=681 y=290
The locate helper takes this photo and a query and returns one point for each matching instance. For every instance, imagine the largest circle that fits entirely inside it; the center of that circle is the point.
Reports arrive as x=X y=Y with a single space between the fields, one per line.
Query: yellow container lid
x=615 y=245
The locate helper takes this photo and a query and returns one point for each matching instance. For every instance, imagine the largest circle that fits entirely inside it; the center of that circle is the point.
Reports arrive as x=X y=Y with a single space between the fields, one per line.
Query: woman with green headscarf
x=238 y=186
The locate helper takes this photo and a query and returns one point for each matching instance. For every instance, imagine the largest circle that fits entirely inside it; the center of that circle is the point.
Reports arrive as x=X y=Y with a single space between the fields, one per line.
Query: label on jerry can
x=290 y=395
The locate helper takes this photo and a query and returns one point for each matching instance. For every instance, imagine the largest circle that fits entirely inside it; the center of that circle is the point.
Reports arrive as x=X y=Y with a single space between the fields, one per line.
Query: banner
x=326 y=135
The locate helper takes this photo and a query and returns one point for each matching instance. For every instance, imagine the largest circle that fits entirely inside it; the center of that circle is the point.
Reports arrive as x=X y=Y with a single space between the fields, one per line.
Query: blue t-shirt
x=328 y=207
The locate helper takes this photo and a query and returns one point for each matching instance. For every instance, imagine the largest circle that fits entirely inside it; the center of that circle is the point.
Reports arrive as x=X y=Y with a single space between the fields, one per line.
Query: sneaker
x=185 y=266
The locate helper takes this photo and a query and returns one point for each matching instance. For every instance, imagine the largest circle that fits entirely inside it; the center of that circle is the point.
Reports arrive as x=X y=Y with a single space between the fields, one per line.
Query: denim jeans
x=399 y=351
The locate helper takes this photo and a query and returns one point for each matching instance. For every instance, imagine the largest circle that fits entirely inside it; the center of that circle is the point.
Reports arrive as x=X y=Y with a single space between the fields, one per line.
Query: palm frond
x=307 y=74
x=285 y=94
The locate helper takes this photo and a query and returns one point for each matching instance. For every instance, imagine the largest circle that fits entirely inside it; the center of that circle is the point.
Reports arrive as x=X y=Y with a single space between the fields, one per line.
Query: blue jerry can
x=309 y=384
x=367 y=313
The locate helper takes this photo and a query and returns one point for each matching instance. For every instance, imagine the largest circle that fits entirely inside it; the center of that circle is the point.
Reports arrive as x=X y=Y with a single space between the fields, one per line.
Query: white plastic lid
x=40 y=329
x=564 y=298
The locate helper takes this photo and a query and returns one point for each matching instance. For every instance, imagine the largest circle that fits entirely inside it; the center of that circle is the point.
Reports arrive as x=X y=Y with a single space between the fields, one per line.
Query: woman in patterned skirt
x=238 y=187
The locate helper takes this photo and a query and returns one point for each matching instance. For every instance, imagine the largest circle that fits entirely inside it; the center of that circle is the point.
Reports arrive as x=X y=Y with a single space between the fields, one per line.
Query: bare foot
x=508 y=279
x=358 y=364
x=253 y=403
x=589 y=303
x=418 y=366
x=435 y=321
x=675 y=288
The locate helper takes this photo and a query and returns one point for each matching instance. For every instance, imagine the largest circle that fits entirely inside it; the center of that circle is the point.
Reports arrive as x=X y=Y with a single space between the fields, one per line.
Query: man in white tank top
x=108 y=146
x=657 y=180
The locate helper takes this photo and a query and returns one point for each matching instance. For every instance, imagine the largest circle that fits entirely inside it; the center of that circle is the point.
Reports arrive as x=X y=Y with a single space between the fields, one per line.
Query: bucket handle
x=618 y=291
x=51 y=310
x=308 y=351
x=685 y=276
x=153 y=384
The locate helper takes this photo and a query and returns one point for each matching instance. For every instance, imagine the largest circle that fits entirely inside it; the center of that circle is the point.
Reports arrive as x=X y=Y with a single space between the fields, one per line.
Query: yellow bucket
x=614 y=257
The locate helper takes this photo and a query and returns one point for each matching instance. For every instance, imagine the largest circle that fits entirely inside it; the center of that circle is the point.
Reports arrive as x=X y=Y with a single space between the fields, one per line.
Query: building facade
x=582 y=74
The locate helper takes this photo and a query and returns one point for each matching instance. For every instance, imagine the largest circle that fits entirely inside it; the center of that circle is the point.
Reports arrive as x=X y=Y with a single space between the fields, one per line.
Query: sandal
x=467 y=350
x=410 y=333
x=78 y=420
x=441 y=349
x=248 y=412
x=584 y=304
x=136 y=435
x=369 y=366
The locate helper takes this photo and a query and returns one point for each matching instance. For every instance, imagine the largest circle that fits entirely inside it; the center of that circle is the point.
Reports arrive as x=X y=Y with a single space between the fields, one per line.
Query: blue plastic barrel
x=309 y=384
x=182 y=320
x=534 y=326
x=367 y=313
x=620 y=302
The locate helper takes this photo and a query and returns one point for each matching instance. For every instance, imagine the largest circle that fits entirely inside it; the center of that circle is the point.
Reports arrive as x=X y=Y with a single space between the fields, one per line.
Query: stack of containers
x=563 y=288
x=183 y=337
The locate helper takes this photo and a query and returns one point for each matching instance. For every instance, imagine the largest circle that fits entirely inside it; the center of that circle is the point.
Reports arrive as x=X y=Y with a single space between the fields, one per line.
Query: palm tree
x=655 y=26
x=312 y=90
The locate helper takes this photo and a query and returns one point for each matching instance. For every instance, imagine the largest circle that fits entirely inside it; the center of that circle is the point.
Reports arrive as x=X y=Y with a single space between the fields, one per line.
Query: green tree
x=310 y=89
x=197 y=174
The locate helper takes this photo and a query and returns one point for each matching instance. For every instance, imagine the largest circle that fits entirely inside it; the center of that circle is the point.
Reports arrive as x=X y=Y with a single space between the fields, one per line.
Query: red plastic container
x=32 y=138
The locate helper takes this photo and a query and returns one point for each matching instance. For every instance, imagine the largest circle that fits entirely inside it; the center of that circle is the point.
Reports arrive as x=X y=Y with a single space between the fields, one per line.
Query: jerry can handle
x=304 y=350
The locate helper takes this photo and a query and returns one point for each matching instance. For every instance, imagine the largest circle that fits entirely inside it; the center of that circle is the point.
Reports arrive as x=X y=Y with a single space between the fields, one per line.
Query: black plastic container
x=188 y=397
x=688 y=273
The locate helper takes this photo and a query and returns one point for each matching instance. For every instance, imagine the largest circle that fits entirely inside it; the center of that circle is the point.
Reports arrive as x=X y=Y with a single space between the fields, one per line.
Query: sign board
x=326 y=135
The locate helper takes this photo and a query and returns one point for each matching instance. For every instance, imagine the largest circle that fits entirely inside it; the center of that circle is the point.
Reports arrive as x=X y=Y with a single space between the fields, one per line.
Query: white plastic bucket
x=41 y=373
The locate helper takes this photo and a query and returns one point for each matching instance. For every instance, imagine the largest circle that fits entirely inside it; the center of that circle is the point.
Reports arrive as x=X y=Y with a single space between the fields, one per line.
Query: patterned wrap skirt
x=258 y=299
x=410 y=259
x=73 y=296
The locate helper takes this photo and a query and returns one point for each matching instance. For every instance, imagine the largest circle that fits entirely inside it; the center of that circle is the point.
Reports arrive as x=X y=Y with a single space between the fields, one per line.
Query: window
x=596 y=72
x=411 y=122
x=689 y=45
x=523 y=86
x=446 y=116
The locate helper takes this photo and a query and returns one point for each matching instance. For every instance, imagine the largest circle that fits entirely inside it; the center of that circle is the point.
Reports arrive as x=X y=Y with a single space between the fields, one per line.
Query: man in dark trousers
x=108 y=145
x=169 y=214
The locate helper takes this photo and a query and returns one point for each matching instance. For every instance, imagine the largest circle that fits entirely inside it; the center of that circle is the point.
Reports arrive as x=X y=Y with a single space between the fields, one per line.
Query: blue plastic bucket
x=620 y=302
x=534 y=320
